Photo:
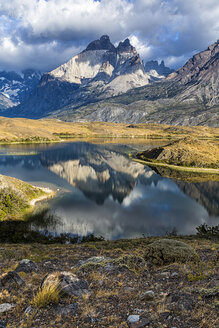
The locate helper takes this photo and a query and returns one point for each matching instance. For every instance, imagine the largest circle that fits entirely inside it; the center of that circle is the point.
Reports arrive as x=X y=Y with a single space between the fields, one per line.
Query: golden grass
x=49 y=294
x=178 y=167
x=187 y=154
x=25 y=130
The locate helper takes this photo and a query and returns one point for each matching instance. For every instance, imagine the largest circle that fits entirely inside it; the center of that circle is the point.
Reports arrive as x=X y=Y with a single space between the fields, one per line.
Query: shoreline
x=108 y=137
x=176 y=167
x=49 y=193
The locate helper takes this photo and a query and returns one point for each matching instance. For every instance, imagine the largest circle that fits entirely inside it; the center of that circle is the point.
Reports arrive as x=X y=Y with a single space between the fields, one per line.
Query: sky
x=43 y=34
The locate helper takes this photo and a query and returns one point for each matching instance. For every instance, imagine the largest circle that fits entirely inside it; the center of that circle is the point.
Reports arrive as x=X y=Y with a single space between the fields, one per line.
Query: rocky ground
x=125 y=283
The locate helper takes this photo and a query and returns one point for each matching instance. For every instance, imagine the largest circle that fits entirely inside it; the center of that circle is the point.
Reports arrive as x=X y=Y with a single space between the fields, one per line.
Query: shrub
x=206 y=231
x=165 y=251
x=133 y=263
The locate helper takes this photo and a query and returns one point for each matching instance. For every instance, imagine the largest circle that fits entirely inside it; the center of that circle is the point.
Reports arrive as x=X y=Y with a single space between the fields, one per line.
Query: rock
x=165 y=251
x=69 y=309
x=2 y=324
x=5 y=307
x=164 y=315
x=93 y=260
x=144 y=322
x=174 y=275
x=26 y=266
x=133 y=318
x=165 y=275
x=12 y=277
x=148 y=295
x=67 y=282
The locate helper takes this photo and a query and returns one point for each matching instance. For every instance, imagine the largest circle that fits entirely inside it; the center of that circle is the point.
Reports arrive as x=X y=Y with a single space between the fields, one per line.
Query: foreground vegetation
x=17 y=198
x=121 y=279
x=24 y=130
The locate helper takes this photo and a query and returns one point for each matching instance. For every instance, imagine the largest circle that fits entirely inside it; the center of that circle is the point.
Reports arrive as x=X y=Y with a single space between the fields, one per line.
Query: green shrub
x=166 y=251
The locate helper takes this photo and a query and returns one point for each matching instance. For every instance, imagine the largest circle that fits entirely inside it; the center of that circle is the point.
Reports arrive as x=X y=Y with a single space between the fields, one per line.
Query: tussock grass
x=48 y=295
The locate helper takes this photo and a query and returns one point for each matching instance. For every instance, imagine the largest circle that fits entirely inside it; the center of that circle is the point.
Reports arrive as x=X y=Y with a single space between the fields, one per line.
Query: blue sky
x=43 y=34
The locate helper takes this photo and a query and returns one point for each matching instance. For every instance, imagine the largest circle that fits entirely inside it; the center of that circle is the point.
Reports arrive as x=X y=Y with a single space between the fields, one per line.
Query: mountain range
x=16 y=87
x=108 y=83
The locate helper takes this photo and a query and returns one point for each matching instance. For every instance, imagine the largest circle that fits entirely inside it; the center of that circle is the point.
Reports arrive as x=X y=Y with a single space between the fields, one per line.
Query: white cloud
x=45 y=33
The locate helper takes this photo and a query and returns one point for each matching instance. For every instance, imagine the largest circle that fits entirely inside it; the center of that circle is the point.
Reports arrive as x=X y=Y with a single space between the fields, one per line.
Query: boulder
x=11 y=277
x=69 y=309
x=67 y=282
x=165 y=251
x=26 y=266
x=5 y=307
x=133 y=318
x=148 y=295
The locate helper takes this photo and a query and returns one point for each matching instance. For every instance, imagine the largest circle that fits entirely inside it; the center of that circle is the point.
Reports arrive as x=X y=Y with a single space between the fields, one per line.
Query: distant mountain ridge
x=17 y=87
x=98 y=72
x=108 y=83
x=160 y=69
x=189 y=96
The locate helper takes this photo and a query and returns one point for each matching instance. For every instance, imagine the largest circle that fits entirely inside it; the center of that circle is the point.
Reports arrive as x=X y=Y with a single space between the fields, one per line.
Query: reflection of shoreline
x=206 y=194
x=185 y=176
x=110 y=195
x=149 y=210
x=193 y=170
x=99 y=173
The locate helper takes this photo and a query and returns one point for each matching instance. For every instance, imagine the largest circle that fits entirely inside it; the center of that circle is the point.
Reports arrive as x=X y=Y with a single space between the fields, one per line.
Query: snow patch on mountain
x=17 y=87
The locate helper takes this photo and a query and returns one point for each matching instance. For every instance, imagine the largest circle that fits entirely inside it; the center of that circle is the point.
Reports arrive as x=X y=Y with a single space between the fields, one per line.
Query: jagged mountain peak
x=103 y=43
x=125 y=46
x=101 y=61
x=160 y=70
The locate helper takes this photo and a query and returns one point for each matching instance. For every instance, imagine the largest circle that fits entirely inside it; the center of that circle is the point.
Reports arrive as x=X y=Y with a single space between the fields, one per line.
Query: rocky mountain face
x=190 y=96
x=201 y=76
x=156 y=70
x=5 y=102
x=102 y=62
x=16 y=87
x=108 y=83
x=100 y=71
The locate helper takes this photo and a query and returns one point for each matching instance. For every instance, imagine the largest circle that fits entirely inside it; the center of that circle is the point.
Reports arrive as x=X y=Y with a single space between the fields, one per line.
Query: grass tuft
x=47 y=295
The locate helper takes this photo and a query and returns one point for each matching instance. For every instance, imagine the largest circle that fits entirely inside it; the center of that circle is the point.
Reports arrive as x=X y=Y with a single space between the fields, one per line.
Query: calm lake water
x=101 y=191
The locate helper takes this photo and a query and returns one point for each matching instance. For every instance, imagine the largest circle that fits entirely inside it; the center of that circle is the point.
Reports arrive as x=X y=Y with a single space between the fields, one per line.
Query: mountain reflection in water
x=112 y=196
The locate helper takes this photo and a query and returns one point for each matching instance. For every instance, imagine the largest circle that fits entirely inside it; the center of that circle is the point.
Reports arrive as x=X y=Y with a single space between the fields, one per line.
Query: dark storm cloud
x=43 y=34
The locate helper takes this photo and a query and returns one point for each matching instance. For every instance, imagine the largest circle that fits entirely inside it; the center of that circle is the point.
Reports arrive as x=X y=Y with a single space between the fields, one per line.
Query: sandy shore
x=49 y=193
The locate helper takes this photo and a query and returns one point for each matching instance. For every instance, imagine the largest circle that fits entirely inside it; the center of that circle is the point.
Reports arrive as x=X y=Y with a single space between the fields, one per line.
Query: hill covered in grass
x=16 y=197
x=188 y=151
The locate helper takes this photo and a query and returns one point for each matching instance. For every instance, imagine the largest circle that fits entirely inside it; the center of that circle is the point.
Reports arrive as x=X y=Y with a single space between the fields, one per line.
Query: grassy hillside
x=16 y=197
x=185 y=152
x=25 y=130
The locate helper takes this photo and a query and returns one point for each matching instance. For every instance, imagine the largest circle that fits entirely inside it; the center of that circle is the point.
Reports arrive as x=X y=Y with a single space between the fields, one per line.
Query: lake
x=101 y=191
